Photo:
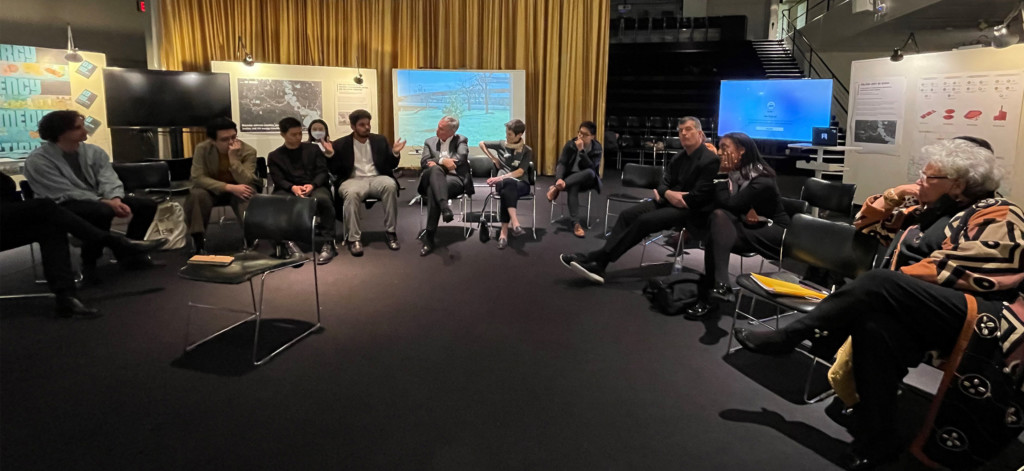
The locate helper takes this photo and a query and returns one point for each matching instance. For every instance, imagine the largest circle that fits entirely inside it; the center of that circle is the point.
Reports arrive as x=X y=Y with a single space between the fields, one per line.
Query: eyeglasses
x=925 y=176
x=583 y=134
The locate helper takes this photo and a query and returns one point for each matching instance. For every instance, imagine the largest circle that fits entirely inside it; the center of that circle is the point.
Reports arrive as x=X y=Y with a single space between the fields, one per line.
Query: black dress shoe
x=70 y=306
x=428 y=247
x=723 y=292
x=770 y=342
x=697 y=311
x=447 y=215
x=355 y=248
x=392 y=240
x=326 y=254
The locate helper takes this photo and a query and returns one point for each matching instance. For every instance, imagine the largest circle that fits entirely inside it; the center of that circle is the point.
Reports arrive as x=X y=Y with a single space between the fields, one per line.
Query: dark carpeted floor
x=471 y=358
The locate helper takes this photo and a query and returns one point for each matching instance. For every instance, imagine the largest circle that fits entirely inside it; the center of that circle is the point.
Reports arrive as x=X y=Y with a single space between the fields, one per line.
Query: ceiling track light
x=1001 y=35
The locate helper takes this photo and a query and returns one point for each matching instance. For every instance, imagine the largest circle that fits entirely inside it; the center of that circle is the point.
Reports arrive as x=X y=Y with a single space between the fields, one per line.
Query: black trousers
x=44 y=222
x=437 y=186
x=727 y=234
x=893 y=319
x=575 y=184
x=634 y=224
x=101 y=215
x=324 y=208
x=509 y=191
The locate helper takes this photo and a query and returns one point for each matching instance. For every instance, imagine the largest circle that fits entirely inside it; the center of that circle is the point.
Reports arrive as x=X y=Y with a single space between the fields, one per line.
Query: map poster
x=878 y=115
x=262 y=103
x=33 y=82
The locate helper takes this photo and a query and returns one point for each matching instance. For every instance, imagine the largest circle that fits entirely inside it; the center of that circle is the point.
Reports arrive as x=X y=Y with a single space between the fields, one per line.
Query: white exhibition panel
x=928 y=97
x=263 y=94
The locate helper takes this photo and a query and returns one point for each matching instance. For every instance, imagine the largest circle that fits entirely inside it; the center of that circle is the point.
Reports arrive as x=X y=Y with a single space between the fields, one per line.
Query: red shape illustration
x=1000 y=116
x=947 y=117
x=950 y=111
x=973 y=114
x=929 y=113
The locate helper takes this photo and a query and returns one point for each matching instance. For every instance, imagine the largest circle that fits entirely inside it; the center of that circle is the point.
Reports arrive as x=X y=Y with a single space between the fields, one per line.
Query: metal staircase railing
x=809 y=61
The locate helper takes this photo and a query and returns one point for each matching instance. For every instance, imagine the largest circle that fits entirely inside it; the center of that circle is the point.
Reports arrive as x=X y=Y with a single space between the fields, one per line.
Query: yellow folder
x=786 y=288
x=219 y=260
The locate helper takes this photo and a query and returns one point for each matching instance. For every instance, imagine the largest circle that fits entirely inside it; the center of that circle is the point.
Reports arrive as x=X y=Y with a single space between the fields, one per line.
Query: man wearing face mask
x=223 y=172
x=446 y=174
x=300 y=169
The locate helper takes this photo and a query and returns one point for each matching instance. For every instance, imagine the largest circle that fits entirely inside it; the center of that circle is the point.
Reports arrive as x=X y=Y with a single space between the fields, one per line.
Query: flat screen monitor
x=482 y=100
x=161 y=98
x=785 y=110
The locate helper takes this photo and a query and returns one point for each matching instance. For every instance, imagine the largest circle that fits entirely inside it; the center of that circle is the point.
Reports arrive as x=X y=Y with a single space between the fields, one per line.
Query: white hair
x=976 y=166
x=453 y=123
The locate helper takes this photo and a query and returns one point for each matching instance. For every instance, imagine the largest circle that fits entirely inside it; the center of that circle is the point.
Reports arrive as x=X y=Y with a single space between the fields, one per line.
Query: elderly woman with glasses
x=952 y=283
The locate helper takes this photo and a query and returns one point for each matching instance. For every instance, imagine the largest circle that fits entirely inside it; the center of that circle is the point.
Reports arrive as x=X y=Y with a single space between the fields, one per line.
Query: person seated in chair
x=578 y=170
x=78 y=176
x=365 y=164
x=749 y=217
x=42 y=221
x=446 y=174
x=952 y=283
x=300 y=169
x=513 y=158
x=686 y=191
x=223 y=172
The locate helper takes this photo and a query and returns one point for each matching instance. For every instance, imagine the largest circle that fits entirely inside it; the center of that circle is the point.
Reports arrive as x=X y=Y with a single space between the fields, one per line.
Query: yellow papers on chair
x=786 y=288
x=218 y=260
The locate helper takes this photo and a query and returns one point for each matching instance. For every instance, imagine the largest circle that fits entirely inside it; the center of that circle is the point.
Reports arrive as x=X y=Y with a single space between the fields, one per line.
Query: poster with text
x=878 y=115
x=35 y=81
x=349 y=97
x=979 y=104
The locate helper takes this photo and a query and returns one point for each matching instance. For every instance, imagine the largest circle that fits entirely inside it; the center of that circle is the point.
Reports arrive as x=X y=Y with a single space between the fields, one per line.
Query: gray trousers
x=356 y=190
x=200 y=203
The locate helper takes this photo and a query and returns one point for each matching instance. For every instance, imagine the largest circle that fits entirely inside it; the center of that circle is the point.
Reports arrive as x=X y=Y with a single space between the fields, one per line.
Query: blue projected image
x=784 y=110
x=481 y=100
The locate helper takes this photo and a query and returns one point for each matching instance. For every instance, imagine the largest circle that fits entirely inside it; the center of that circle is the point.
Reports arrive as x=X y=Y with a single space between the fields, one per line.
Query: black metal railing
x=810 y=62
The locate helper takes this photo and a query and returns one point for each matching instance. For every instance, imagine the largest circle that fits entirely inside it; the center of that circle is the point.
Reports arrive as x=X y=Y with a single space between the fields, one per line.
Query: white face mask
x=318 y=135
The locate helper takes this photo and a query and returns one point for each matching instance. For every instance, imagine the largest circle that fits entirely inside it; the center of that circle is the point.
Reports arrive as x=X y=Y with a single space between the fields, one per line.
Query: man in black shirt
x=687 y=190
x=300 y=169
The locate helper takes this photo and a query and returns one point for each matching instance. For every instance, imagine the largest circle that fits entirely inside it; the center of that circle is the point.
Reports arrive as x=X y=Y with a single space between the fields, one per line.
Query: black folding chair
x=272 y=217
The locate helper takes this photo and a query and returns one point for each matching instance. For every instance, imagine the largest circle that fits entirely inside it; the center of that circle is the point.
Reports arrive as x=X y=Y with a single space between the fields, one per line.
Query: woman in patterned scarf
x=953 y=285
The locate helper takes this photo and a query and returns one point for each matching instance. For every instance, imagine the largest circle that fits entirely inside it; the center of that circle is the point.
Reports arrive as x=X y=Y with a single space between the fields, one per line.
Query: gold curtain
x=561 y=44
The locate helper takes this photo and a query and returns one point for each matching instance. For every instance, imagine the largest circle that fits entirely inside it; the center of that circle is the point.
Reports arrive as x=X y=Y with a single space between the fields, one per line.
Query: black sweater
x=310 y=170
x=694 y=174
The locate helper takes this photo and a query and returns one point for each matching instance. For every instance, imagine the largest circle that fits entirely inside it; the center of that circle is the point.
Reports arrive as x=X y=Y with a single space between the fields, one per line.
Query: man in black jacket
x=446 y=174
x=578 y=170
x=365 y=164
x=300 y=169
x=686 y=191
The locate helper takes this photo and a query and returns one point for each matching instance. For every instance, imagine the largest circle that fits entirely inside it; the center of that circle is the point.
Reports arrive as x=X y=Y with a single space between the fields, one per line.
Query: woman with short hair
x=512 y=158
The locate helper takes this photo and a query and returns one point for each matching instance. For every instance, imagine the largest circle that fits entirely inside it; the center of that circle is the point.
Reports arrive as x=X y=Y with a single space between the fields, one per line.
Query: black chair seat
x=626 y=198
x=802 y=305
x=245 y=266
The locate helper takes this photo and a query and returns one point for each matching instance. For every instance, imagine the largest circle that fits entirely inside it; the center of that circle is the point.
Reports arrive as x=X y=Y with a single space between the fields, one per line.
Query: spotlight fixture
x=246 y=57
x=1001 y=35
x=358 y=79
x=897 y=53
x=72 y=55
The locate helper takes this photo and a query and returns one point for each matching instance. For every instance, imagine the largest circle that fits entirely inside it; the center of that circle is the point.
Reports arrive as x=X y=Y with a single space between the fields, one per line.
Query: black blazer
x=282 y=168
x=694 y=174
x=588 y=160
x=458 y=149
x=761 y=194
x=343 y=162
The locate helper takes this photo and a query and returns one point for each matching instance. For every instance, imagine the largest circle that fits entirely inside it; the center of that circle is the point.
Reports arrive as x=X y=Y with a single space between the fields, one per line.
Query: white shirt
x=445 y=145
x=363 y=165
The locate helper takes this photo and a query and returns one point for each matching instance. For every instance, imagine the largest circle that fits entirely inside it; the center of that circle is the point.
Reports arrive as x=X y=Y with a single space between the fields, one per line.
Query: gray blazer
x=51 y=177
x=458 y=149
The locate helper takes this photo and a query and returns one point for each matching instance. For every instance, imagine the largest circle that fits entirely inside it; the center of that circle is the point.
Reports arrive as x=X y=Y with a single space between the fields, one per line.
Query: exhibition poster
x=878 y=115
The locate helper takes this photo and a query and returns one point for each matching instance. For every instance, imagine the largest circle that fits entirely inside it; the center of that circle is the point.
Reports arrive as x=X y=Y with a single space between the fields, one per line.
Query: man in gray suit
x=446 y=174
